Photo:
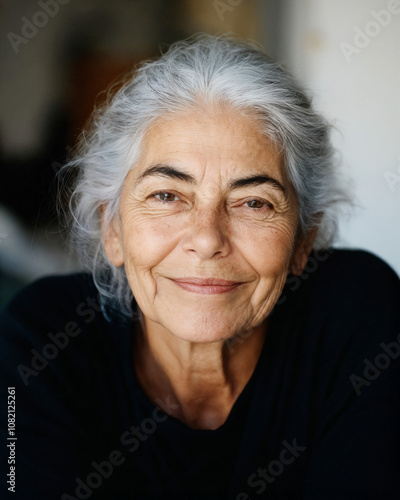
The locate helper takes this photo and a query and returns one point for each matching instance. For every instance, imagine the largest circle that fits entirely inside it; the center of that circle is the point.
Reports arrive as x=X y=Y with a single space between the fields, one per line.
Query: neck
x=200 y=380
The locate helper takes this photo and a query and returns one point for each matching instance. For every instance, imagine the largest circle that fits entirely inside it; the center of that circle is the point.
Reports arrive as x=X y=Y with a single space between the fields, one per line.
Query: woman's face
x=207 y=226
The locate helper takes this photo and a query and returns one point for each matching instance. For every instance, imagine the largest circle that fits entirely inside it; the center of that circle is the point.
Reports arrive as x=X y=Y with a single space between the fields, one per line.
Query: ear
x=113 y=240
x=302 y=250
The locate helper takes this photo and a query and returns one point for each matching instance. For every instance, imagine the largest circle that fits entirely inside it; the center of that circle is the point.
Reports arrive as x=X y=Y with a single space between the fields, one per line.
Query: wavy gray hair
x=202 y=71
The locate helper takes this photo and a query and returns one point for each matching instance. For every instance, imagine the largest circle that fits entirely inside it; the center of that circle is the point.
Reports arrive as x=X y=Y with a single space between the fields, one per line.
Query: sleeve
x=356 y=453
x=43 y=416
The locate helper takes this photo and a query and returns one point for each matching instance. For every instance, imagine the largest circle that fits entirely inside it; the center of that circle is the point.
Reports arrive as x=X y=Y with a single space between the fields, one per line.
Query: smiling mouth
x=208 y=286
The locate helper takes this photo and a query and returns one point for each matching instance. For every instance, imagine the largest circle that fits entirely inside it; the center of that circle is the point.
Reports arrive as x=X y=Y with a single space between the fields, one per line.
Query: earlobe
x=302 y=251
x=112 y=236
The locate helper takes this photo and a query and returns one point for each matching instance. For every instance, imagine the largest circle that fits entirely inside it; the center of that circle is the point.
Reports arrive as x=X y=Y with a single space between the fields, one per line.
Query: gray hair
x=202 y=71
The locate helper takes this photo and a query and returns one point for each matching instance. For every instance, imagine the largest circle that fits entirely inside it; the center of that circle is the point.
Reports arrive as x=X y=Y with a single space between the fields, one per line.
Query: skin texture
x=200 y=221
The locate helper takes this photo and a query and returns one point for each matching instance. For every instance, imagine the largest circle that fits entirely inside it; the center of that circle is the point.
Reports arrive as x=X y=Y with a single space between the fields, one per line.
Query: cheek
x=147 y=244
x=268 y=250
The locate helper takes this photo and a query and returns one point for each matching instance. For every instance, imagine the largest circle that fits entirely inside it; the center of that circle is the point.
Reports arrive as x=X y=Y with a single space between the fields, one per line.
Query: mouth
x=206 y=286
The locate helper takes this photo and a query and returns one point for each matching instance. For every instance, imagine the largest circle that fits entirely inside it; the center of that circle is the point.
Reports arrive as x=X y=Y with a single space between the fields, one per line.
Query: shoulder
x=354 y=303
x=351 y=277
x=356 y=284
x=51 y=301
x=49 y=323
x=344 y=306
x=338 y=333
x=339 y=279
x=52 y=336
x=354 y=265
x=51 y=290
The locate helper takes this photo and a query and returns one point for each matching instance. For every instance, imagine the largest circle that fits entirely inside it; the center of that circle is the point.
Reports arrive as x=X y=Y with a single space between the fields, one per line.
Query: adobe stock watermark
x=275 y=468
x=363 y=37
x=30 y=27
x=239 y=338
x=221 y=7
x=372 y=369
x=58 y=341
x=132 y=439
x=293 y=283
x=391 y=178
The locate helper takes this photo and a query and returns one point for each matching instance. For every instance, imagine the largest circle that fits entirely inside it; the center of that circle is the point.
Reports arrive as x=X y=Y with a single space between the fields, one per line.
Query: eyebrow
x=256 y=180
x=166 y=171
x=173 y=173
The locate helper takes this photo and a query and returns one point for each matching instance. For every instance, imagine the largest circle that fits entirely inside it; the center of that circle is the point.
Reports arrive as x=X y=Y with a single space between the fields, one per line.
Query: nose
x=207 y=234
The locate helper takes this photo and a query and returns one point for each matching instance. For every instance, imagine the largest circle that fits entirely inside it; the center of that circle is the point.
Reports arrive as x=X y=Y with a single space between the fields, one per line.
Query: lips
x=206 y=286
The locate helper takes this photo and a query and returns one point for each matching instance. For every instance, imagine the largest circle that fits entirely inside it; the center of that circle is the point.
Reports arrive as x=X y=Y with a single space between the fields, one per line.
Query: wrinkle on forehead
x=240 y=142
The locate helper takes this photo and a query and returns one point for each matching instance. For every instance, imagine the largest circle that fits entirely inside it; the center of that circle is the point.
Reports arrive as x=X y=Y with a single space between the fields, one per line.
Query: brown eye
x=165 y=196
x=256 y=204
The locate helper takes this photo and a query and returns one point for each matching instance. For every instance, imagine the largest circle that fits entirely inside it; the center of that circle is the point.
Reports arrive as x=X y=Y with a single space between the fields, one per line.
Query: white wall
x=358 y=89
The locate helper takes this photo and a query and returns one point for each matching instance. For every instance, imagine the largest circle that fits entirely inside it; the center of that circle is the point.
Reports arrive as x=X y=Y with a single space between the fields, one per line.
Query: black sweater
x=319 y=418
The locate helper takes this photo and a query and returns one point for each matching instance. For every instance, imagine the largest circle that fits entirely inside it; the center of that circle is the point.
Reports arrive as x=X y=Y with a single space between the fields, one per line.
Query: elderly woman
x=219 y=349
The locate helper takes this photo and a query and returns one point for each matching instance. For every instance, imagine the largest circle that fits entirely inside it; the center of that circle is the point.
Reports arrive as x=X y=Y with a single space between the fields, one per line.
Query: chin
x=205 y=330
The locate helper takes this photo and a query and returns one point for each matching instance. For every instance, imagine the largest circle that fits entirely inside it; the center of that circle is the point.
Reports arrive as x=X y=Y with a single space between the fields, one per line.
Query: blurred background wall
x=58 y=55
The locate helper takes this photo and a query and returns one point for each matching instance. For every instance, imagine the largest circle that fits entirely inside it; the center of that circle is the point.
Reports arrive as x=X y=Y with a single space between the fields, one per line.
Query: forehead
x=217 y=143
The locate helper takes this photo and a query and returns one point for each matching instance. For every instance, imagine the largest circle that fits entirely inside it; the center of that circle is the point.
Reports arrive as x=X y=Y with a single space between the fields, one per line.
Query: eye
x=165 y=196
x=256 y=203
